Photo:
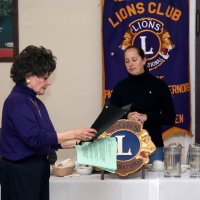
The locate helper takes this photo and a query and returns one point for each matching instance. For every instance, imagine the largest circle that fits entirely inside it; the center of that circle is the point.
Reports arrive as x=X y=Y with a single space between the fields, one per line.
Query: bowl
x=84 y=170
x=62 y=171
x=64 y=168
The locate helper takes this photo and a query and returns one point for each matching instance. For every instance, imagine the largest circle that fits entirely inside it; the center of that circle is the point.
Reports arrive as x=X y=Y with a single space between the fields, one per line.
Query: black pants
x=27 y=179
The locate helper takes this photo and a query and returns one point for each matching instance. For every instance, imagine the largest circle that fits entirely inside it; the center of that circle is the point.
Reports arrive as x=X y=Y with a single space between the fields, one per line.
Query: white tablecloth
x=154 y=187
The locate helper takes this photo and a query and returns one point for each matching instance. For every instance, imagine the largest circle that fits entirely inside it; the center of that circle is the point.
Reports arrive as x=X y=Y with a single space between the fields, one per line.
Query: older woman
x=152 y=104
x=28 y=134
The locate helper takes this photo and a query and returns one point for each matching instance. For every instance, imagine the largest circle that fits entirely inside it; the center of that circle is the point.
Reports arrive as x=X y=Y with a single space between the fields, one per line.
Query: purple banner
x=161 y=28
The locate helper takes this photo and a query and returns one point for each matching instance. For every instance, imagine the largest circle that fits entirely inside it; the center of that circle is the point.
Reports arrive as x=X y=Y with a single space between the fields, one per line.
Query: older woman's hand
x=83 y=134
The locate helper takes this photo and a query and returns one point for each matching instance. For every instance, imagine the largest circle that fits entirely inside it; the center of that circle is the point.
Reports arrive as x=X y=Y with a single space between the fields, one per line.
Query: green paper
x=101 y=154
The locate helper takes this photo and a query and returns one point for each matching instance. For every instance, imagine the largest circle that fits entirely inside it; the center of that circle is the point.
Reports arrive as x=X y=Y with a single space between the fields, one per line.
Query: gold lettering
x=140 y=8
x=182 y=88
x=107 y=94
x=176 y=15
x=169 y=11
x=123 y=13
x=158 y=10
x=131 y=10
x=126 y=12
x=118 y=16
x=179 y=119
x=151 y=8
x=112 y=23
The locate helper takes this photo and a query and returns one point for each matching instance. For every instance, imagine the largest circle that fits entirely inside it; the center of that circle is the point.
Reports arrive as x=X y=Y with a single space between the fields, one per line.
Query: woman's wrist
x=63 y=136
x=69 y=144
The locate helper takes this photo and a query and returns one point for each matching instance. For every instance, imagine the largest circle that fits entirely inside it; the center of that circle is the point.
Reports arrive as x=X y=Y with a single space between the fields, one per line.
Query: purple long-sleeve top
x=26 y=127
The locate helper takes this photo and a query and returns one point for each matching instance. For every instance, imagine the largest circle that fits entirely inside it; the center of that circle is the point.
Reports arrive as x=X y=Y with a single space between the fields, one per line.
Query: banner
x=161 y=28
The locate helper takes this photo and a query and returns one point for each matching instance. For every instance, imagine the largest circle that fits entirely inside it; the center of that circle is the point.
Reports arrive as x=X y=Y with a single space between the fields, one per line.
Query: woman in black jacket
x=152 y=104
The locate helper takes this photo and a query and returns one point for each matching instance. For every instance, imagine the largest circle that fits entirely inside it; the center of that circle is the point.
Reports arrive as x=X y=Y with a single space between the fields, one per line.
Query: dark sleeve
x=167 y=113
x=56 y=147
x=115 y=97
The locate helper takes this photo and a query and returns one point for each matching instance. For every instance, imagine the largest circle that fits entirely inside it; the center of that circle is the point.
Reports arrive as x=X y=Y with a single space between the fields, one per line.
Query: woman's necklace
x=36 y=105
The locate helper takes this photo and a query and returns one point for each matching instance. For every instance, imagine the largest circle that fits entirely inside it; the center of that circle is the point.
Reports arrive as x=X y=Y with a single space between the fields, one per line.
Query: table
x=154 y=187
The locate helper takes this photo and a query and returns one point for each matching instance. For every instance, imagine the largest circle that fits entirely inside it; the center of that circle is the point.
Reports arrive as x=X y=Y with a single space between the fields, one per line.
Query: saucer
x=156 y=170
x=150 y=168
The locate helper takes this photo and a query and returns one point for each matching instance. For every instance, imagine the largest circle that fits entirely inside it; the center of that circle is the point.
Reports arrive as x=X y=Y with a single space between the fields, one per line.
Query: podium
x=142 y=176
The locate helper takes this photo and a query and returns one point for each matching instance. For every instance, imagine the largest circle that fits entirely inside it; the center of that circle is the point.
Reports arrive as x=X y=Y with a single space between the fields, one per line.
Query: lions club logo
x=155 y=40
x=134 y=146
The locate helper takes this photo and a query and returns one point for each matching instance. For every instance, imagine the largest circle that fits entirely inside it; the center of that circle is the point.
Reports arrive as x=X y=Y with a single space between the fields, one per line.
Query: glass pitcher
x=194 y=160
x=172 y=160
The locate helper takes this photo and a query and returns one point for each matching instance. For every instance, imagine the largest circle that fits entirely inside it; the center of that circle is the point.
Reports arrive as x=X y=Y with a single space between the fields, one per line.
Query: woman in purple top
x=28 y=134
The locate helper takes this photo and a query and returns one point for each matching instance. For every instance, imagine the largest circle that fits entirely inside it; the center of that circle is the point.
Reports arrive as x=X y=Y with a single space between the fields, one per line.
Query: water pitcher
x=194 y=160
x=172 y=160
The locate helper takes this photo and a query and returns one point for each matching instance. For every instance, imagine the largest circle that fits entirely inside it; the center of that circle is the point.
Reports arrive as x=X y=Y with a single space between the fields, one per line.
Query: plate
x=156 y=170
x=150 y=168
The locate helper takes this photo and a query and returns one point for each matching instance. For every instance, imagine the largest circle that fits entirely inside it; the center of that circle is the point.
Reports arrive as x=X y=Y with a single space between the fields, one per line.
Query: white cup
x=158 y=165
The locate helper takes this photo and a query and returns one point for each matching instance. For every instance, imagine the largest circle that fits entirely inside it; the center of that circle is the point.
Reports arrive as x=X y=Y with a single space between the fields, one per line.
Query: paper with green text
x=101 y=154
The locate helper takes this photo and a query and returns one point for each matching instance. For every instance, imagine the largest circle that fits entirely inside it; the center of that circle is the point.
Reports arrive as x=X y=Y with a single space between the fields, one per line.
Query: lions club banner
x=161 y=28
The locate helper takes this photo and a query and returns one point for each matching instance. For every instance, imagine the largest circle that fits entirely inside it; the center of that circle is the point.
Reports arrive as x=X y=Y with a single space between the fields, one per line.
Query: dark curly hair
x=33 y=60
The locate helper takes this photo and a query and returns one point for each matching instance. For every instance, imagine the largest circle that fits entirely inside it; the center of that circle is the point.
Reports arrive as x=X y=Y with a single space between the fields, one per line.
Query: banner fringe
x=175 y=131
x=101 y=3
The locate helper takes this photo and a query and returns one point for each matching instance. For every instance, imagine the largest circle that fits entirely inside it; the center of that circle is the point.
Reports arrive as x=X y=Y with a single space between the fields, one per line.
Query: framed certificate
x=8 y=30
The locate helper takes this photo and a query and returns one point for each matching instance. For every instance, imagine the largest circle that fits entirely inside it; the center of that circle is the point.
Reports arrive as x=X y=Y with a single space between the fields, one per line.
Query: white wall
x=72 y=30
